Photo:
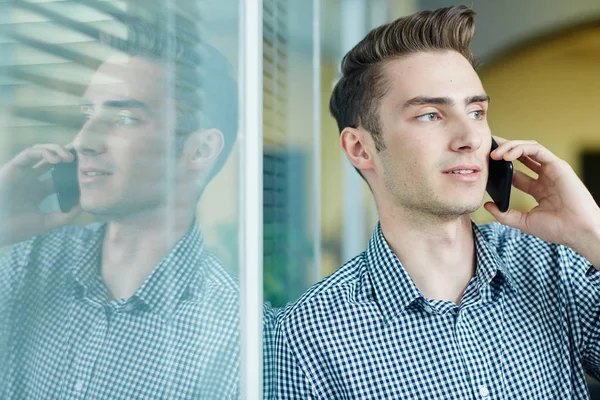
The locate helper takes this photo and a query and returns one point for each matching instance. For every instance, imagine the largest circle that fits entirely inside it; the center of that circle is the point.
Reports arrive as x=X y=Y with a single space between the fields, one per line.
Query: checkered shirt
x=527 y=328
x=62 y=337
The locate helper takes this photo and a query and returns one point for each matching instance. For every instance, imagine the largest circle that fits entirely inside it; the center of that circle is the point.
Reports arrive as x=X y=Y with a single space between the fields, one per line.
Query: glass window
x=119 y=199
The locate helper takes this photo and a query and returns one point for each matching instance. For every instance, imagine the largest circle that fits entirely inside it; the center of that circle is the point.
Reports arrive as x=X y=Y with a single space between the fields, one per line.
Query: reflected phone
x=66 y=183
x=500 y=175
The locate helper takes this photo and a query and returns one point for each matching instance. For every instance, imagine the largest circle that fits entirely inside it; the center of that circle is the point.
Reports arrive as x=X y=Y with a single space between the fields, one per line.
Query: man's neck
x=134 y=246
x=438 y=254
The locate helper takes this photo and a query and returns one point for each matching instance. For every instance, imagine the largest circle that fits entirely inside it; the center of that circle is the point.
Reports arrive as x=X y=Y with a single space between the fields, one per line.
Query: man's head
x=160 y=114
x=410 y=108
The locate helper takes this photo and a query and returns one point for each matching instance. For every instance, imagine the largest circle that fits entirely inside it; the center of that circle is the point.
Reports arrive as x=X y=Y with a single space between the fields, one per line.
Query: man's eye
x=429 y=117
x=477 y=115
x=86 y=113
x=125 y=118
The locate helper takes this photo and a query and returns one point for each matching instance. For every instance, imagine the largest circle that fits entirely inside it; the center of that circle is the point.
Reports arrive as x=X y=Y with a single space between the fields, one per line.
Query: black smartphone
x=500 y=175
x=66 y=184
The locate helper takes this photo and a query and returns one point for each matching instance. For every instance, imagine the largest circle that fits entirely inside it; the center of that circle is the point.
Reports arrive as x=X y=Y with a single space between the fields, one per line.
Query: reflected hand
x=21 y=192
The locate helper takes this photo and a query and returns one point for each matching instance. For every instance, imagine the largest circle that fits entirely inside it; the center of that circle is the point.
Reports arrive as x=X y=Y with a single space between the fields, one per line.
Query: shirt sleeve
x=585 y=294
x=290 y=380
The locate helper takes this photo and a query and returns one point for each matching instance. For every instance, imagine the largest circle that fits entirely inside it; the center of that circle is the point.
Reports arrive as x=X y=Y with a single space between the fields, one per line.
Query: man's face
x=121 y=147
x=433 y=119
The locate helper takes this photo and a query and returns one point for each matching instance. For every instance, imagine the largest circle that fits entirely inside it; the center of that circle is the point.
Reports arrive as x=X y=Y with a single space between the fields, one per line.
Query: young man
x=135 y=307
x=438 y=307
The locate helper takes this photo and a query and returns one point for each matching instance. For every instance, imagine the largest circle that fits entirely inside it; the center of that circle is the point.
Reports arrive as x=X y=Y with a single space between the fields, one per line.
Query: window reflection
x=117 y=297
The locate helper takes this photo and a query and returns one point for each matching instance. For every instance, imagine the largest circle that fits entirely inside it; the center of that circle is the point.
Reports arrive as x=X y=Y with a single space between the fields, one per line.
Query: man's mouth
x=92 y=175
x=95 y=173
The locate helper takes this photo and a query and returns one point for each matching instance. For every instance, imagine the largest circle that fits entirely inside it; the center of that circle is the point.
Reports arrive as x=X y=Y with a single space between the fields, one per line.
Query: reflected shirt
x=527 y=327
x=64 y=338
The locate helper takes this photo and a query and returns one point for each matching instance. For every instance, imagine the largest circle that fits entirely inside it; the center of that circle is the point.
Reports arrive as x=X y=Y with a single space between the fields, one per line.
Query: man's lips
x=92 y=174
x=464 y=173
x=463 y=170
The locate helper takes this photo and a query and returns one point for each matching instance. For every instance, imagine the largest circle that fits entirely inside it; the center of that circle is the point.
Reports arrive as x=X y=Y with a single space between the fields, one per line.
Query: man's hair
x=201 y=82
x=355 y=98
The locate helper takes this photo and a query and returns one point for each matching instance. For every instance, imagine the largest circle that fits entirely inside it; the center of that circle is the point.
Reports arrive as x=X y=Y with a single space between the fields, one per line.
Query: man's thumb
x=511 y=217
x=59 y=219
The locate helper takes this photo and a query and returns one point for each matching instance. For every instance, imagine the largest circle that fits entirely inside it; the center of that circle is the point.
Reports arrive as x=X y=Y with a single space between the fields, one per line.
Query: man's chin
x=98 y=209
x=460 y=209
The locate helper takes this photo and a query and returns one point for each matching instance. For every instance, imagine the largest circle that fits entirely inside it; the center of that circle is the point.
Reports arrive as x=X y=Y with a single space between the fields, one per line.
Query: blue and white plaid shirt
x=527 y=327
x=62 y=337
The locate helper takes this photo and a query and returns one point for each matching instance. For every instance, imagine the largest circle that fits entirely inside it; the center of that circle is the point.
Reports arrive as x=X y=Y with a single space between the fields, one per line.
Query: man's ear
x=358 y=148
x=202 y=149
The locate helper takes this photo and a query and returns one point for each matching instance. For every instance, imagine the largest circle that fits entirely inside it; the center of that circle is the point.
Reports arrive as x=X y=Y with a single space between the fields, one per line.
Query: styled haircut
x=356 y=96
x=204 y=90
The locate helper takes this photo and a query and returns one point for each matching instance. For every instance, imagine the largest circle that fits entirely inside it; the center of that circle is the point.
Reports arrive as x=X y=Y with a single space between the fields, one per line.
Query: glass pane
x=289 y=207
x=118 y=199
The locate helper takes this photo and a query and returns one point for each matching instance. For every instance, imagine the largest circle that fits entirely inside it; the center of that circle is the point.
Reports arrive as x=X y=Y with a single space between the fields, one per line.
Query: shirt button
x=483 y=391
x=79 y=386
x=427 y=308
x=129 y=307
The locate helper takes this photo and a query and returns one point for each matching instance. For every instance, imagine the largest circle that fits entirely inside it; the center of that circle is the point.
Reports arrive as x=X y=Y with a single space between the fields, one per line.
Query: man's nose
x=91 y=137
x=467 y=136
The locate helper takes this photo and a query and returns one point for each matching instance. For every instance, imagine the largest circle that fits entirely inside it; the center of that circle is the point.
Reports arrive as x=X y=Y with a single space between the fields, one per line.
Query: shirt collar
x=490 y=266
x=85 y=271
x=395 y=290
x=393 y=287
x=164 y=288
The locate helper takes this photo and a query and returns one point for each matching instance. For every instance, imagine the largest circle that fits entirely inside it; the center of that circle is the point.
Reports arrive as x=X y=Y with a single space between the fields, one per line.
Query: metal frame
x=317 y=138
x=353 y=222
x=251 y=198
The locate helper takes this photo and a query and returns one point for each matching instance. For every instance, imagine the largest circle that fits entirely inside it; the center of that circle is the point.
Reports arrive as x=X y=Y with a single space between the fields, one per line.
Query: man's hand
x=21 y=192
x=566 y=212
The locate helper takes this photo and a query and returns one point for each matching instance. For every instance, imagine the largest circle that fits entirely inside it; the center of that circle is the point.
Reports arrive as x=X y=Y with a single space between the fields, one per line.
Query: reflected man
x=133 y=307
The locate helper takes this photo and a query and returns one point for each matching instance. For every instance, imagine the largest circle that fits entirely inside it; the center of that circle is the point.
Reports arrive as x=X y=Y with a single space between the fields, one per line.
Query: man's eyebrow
x=120 y=104
x=477 y=99
x=444 y=101
x=423 y=100
x=129 y=104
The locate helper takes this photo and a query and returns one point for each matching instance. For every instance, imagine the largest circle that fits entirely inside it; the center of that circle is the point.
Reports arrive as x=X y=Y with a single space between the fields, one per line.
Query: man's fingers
x=506 y=145
x=511 y=217
x=523 y=182
x=531 y=164
x=58 y=150
x=33 y=155
x=499 y=139
x=42 y=155
x=513 y=150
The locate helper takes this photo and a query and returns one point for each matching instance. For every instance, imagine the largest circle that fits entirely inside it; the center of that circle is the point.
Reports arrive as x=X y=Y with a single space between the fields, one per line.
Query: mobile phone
x=66 y=183
x=500 y=175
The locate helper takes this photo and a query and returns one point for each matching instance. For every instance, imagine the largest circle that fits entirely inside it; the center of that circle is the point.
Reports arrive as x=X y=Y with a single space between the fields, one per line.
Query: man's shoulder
x=71 y=234
x=528 y=255
x=326 y=294
x=504 y=238
x=64 y=240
